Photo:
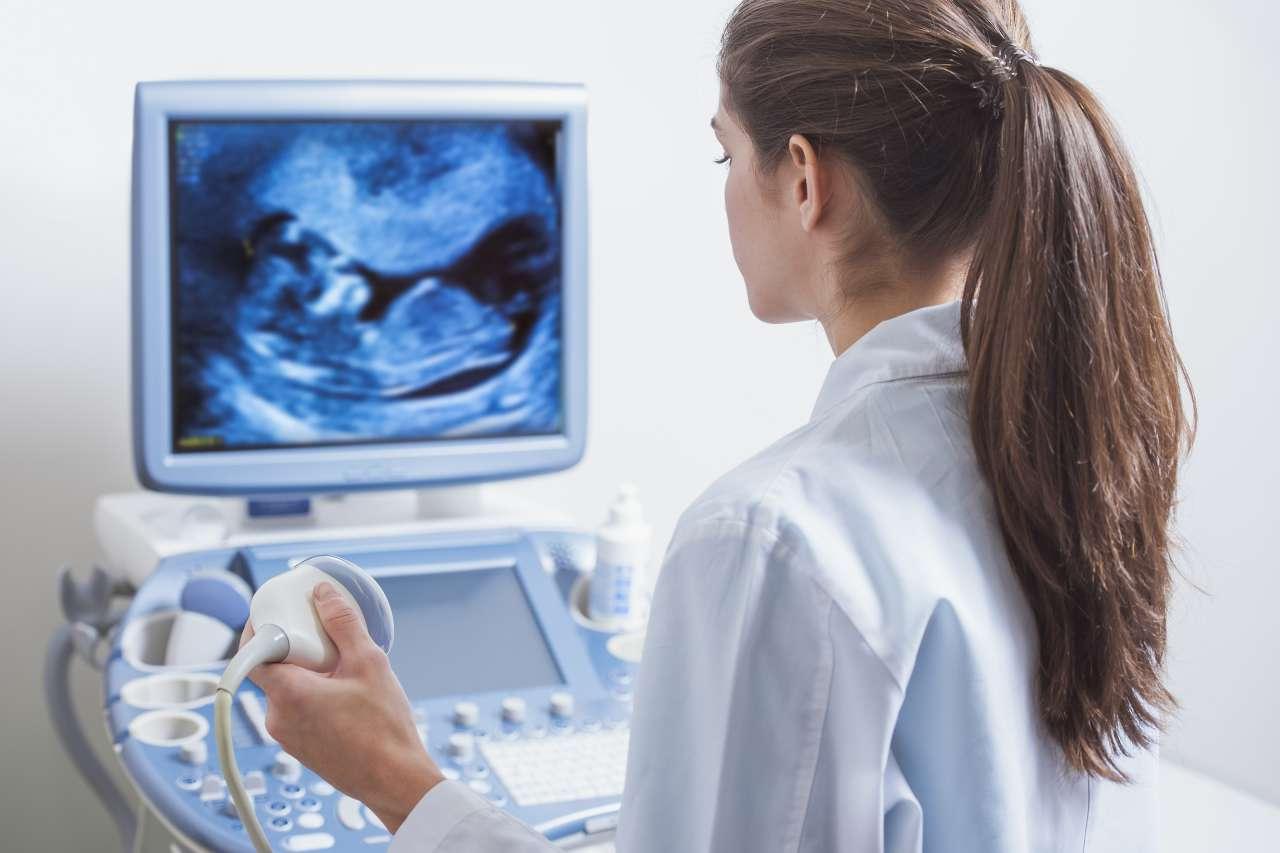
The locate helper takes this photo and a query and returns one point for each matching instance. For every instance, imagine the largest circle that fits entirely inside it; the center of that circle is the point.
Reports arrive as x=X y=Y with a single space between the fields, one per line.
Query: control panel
x=512 y=693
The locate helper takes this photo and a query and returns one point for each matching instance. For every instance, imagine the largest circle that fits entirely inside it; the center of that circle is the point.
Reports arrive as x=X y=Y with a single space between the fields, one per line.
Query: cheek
x=754 y=239
x=737 y=212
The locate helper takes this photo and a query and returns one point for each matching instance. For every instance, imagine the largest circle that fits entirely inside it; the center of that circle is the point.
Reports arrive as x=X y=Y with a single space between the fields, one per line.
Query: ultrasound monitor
x=345 y=285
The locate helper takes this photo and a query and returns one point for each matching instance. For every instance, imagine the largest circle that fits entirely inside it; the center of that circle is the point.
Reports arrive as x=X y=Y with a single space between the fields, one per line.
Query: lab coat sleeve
x=732 y=696
x=451 y=818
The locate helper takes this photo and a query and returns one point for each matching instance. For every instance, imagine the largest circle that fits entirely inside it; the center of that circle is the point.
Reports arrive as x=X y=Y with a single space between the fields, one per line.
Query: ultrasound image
x=338 y=282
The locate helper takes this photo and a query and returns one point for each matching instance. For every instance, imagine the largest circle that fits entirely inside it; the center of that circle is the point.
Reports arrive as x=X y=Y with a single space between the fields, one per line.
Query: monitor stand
x=135 y=530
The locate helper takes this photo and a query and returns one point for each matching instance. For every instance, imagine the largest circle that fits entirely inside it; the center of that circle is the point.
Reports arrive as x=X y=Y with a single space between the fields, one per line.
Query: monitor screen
x=343 y=282
x=466 y=632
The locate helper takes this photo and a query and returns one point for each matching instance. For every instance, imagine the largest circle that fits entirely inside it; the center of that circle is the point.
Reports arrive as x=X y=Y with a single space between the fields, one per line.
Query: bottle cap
x=626 y=508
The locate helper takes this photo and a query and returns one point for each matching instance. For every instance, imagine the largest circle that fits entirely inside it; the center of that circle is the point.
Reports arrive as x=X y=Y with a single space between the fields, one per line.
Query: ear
x=810 y=181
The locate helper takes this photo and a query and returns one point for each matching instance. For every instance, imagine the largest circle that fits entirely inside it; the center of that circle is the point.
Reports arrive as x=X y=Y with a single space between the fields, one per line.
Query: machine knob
x=461 y=747
x=213 y=788
x=513 y=708
x=286 y=767
x=193 y=752
x=562 y=705
x=466 y=714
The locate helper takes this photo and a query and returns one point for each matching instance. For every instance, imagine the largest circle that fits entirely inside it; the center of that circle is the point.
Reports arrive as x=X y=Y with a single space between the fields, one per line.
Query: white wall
x=684 y=381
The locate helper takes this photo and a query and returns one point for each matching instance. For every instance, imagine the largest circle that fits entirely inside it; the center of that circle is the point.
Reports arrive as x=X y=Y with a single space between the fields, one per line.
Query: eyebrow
x=714 y=126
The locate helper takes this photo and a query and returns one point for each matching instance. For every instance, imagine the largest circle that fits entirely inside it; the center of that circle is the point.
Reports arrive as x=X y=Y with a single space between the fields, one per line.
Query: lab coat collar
x=922 y=342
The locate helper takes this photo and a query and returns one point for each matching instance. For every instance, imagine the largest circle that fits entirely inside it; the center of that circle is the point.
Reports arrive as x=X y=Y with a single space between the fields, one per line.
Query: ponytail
x=965 y=144
x=1076 y=412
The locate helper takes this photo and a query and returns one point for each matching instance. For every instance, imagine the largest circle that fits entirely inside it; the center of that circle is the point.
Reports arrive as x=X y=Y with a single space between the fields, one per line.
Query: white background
x=684 y=381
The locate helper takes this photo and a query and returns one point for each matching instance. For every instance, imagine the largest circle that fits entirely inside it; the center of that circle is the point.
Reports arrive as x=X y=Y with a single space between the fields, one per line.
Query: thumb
x=342 y=622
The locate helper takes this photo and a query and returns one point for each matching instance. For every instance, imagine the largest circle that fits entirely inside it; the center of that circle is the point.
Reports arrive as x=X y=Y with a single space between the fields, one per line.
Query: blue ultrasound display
x=466 y=632
x=339 y=282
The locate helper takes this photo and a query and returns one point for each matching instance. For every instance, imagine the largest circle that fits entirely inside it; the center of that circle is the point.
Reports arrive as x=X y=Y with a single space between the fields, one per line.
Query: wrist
x=410 y=783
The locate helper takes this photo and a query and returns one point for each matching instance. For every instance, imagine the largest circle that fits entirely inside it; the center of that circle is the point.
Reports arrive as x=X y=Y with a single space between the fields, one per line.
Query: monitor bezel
x=346 y=467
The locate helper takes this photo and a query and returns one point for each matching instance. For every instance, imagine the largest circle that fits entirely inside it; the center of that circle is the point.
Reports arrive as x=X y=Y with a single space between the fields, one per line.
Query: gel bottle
x=622 y=552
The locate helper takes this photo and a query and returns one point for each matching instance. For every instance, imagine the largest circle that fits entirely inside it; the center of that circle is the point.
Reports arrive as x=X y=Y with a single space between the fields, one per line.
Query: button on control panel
x=286 y=767
x=513 y=710
x=461 y=747
x=562 y=705
x=466 y=714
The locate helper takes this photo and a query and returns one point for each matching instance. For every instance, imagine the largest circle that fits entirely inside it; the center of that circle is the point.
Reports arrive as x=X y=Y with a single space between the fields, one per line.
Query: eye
x=724 y=158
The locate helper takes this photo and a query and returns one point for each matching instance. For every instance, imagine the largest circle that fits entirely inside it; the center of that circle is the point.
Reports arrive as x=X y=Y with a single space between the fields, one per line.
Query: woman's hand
x=352 y=726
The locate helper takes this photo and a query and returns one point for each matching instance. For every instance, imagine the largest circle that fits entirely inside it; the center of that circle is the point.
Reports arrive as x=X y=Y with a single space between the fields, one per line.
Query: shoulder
x=866 y=504
x=897 y=455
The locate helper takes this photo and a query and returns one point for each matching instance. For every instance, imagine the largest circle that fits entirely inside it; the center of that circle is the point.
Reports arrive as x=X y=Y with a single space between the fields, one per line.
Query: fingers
x=286 y=682
x=246 y=635
x=294 y=696
x=342 y=622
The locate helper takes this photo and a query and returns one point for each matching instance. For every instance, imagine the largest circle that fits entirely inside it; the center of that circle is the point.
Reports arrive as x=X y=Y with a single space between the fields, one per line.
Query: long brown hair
x=965 y=143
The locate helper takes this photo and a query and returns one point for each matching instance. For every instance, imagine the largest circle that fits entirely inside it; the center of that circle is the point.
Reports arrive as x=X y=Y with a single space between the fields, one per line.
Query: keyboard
x=560 y=768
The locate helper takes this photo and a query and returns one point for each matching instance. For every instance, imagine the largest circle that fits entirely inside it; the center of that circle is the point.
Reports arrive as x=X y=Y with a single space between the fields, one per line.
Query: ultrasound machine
x=356 y=306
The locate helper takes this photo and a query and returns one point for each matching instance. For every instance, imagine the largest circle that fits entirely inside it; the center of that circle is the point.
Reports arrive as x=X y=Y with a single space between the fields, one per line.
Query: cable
x=268 y=645
x=62 y=715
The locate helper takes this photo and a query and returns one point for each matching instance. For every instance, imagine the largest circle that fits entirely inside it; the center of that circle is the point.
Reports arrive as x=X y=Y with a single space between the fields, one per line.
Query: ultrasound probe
x=287 y=629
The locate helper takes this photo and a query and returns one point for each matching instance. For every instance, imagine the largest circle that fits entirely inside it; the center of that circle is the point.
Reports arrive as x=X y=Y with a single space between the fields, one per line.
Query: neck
x=910 y=289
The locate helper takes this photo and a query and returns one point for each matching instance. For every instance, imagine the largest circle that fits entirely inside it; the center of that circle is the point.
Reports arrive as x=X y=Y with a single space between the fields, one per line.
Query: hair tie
x=999 y=68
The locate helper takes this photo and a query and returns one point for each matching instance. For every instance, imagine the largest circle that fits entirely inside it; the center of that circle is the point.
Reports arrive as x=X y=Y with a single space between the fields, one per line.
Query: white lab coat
x=839 y=656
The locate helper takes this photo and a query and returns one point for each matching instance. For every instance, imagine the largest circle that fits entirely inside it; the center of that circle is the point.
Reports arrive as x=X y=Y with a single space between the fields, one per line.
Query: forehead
x=722 y=122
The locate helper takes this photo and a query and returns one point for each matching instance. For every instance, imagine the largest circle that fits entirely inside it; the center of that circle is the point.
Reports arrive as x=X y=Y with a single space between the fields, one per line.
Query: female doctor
x=932 y=617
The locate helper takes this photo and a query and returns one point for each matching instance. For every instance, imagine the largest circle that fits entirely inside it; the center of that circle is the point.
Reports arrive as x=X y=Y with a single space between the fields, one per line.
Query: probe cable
x=268 y=645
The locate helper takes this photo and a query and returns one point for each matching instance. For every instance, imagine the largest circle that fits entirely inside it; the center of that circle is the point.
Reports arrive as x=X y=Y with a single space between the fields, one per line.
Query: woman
x=933 y=617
